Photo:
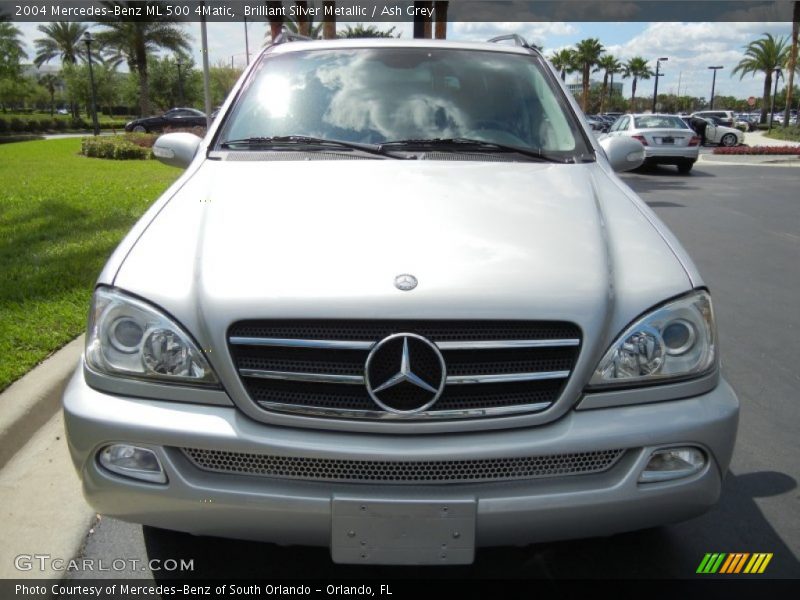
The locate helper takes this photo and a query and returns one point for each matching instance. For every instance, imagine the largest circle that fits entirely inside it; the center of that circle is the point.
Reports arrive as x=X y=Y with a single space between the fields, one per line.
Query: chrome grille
x=316 y=367
x=403 y=472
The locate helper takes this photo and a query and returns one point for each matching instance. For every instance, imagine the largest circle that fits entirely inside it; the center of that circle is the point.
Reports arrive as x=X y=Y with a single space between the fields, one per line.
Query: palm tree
x=637 y=68
x=763 y=55
x=587 y=53
x=132 y=41
x=63 y=41
x=50 y=82
x=11 y=50
x=371 y=31
x=564 y=62
x=609 y=64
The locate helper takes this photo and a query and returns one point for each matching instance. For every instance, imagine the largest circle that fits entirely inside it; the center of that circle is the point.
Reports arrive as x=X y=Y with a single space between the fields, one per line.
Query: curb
x=752 y=160
x=32 y=400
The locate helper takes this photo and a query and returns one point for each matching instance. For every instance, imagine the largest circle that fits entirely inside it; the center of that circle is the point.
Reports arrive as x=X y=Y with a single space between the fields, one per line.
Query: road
x=742 y=227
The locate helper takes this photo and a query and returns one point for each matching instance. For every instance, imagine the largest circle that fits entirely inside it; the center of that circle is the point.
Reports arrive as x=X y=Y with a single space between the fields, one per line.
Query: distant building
x=577 y=88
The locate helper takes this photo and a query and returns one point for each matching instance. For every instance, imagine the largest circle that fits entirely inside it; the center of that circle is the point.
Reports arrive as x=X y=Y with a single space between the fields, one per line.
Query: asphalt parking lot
x=741 y=224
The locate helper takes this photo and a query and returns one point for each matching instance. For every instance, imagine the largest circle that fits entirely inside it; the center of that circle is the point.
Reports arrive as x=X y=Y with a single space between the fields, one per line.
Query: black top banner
x=367 y=11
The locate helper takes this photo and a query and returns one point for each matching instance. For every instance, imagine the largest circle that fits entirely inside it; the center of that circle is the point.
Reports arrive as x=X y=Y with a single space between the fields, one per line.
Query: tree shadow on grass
x=53 y=247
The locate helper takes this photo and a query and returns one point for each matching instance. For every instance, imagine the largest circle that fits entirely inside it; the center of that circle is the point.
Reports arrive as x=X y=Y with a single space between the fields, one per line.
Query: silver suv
x=400 y=305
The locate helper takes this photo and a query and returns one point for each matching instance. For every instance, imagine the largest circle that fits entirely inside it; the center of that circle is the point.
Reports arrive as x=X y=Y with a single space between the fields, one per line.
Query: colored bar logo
x=734 y=563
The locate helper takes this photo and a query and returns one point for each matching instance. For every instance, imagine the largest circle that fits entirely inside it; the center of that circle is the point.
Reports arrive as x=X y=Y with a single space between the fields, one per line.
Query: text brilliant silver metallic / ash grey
x=261 y=363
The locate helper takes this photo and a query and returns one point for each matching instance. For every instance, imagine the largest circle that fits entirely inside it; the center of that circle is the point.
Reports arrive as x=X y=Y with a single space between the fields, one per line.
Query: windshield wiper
x=301 y=140
x=479 y=145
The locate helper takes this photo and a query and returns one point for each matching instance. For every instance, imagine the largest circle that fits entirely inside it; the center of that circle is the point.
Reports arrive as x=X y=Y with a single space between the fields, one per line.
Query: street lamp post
x=655 y=89
x=714 y=83
x=88 y=39
x=774 y=93
x=179 y=63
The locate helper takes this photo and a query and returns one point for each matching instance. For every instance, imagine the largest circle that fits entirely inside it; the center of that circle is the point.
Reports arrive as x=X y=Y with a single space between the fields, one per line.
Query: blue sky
x=690 y=47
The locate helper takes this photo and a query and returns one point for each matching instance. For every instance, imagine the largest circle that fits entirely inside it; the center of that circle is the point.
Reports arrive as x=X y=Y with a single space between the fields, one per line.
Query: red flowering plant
x=763 y=150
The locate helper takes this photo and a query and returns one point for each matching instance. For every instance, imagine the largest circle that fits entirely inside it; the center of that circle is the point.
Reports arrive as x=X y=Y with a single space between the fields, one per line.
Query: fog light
x=132 y=461
x=673 y=463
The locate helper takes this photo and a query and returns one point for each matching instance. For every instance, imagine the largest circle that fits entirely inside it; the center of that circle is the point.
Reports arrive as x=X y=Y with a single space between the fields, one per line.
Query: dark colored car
x=173 y=118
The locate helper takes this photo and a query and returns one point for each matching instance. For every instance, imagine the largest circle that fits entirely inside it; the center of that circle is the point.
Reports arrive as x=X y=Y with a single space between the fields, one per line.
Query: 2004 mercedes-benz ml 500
x=400 y=305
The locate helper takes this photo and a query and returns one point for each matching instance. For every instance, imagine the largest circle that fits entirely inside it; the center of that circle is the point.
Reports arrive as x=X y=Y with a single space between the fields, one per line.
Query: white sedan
x=721 y=135
x=667 y=139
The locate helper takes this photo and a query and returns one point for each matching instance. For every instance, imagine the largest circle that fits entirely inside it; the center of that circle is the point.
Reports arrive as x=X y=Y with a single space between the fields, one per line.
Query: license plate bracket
x=407 y=532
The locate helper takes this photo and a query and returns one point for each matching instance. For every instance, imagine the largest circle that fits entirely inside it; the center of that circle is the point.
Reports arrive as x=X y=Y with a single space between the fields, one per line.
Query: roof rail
x=289 y=36
x=518 y=40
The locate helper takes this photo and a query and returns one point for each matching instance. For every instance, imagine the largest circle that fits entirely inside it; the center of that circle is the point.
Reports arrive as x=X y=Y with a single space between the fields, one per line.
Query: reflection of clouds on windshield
x=363 y=101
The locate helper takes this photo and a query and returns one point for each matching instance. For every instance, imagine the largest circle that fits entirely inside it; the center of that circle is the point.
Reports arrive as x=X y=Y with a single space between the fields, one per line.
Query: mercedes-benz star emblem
x=405 y=282
x=405 y=373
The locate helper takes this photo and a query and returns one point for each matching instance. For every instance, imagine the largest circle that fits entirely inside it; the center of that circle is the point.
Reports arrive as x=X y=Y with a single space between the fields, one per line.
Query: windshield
x=659 y=122
x=380 y=95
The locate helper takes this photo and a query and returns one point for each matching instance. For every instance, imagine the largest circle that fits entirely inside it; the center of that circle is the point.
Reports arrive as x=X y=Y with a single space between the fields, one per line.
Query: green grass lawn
x=61 y=216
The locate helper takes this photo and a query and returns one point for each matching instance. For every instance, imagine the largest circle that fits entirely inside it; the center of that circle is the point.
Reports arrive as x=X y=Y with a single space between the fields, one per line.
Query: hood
x=326 y=239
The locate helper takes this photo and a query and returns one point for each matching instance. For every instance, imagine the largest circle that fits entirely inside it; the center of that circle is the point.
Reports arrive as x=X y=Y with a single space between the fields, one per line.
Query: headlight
x=676 y=340
x=131 y=338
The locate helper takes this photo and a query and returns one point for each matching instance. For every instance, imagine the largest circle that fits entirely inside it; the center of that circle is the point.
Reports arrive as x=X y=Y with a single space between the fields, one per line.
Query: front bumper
x=300 y=512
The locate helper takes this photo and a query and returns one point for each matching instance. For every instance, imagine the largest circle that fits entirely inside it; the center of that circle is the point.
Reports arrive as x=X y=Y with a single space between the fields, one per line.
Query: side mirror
x=623 y=153
x=176 y=149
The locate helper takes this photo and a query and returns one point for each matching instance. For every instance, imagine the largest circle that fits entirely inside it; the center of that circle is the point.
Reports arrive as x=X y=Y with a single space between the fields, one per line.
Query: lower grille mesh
x=403 y=472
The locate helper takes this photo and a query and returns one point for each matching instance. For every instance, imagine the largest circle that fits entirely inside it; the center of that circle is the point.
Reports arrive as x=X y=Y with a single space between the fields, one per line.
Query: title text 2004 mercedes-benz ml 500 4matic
x=399 y=304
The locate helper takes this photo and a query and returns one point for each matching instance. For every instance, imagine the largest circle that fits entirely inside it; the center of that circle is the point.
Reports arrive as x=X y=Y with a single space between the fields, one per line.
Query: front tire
x=139 y=129
x=685 y=167
x=728 y=140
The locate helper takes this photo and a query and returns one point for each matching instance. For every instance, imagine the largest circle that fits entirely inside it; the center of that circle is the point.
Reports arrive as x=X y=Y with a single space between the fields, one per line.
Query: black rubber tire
x=728 y=140
x=685 y=167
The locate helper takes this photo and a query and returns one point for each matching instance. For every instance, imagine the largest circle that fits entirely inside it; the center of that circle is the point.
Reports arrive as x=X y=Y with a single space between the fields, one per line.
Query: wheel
x=140 y=129
x=728 y=140
x=685 y=167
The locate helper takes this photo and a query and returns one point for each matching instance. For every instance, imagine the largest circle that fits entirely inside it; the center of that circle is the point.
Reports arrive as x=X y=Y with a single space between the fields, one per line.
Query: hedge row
x=765 y=150
x=116 y=147
x=33 y=125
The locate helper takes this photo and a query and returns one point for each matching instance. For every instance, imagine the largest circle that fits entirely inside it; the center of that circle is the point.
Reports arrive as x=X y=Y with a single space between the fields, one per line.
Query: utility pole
x=88 y=39
x=714 y=83
x=206 y=78
x=655 y=89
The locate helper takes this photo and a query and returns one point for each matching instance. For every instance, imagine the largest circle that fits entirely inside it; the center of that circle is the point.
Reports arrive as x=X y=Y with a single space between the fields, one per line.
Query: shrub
x=113 y=147
x=8 y=139
x=16 y=125
x=758 y=150
x=143 y=140
x=198 y=131
x=78 y=124
x=3 y=126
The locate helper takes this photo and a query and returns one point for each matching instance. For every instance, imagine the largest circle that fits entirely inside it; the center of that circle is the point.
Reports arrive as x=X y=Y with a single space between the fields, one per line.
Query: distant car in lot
x=62 y=111
x=746 y=121
x=173 y=118
x=667 y=139
x=726 y=117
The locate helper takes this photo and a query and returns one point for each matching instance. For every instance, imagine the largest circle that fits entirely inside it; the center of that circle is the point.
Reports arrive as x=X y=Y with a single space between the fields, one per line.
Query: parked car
x=399 y=304
x=597 y=124
x=726 y=117
x=176 y=118
x=745 y=122
x=667 y=139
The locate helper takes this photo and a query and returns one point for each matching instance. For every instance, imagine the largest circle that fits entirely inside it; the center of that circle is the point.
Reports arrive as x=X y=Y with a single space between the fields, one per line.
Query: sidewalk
x=757 y=138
